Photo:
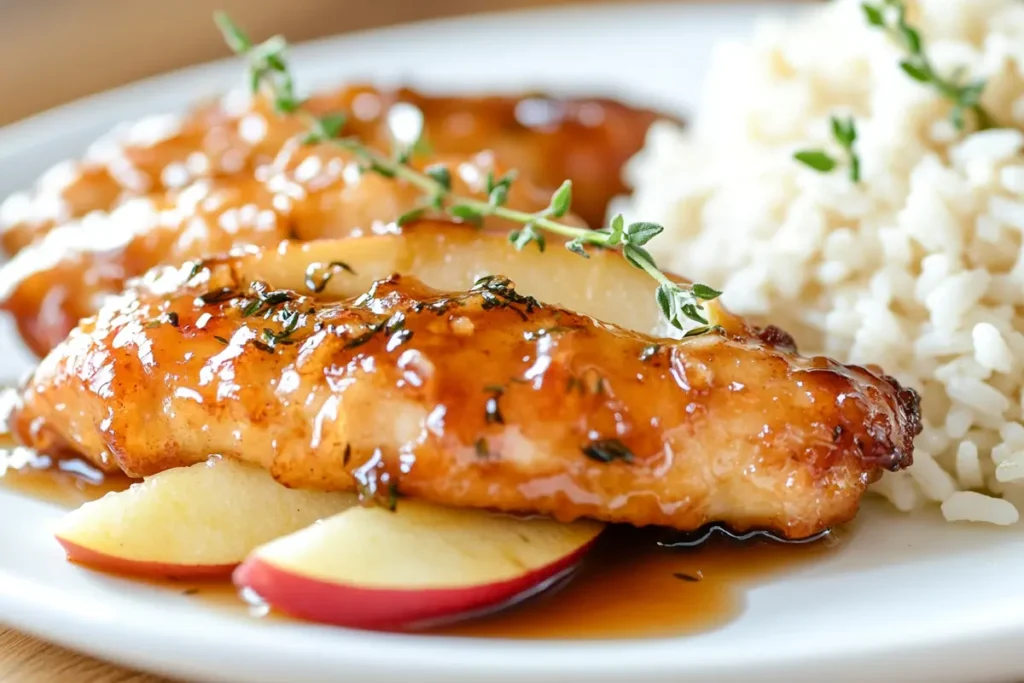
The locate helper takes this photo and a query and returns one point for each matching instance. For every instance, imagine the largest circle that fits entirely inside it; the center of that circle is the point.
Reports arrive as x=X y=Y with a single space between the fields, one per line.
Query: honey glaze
x=630 y=587
x=66 y=482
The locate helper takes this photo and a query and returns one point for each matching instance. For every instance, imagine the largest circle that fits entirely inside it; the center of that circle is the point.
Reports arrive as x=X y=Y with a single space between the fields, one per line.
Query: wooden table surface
x=24 y=659
x=111 y=42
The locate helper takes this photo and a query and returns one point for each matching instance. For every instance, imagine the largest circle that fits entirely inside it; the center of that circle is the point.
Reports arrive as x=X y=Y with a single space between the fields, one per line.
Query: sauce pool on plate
x=629 y=587
x=68 y=483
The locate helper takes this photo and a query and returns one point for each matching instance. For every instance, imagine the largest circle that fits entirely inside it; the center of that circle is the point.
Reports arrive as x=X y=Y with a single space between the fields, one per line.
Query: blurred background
x=57 y=50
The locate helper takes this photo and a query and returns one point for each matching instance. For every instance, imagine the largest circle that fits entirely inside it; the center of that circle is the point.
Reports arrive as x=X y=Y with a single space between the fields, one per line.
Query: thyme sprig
x=844 y=131
x=269 y=74
x=891 y=17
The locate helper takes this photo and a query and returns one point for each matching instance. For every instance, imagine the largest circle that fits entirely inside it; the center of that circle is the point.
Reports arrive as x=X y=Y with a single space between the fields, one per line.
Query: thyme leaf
x=269 y=74
x=890 y=16
x=315 y=283
x=817 y=159
x=217 y=296
x=608 y=450
x=844 y=132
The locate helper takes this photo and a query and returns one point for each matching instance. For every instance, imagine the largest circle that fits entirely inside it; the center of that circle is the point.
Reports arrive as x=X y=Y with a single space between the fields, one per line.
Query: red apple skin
x=152 y=570
x=382 y=609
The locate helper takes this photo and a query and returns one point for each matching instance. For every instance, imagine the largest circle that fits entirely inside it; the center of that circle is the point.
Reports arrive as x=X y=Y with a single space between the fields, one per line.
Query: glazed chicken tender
x=318 y=364
x=307 y=193
x=548 y=139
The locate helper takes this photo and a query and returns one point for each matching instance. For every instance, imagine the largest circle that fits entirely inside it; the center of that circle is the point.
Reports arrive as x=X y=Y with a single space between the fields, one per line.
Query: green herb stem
x=844 y=131
x=891 y=17
x=268 y=72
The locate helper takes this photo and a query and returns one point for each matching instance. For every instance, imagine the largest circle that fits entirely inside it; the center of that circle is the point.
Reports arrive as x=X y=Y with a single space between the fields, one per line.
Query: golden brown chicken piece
x=308 y=193
x=482 y=398
x=548 y=139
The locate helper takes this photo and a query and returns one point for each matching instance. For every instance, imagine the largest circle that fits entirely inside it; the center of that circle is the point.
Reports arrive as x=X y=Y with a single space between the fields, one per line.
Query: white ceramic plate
x=906 y=598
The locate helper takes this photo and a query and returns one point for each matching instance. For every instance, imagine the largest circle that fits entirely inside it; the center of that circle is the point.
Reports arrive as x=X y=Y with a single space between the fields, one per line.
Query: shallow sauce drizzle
x=629 y=587
x=68 y=483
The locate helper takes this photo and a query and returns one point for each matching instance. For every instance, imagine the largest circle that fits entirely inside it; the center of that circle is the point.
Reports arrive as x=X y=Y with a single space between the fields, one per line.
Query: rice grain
x=918 y=268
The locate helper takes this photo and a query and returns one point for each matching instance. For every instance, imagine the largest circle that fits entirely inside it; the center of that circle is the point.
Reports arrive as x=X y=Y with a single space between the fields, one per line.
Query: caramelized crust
x=482 y=398
x=307 y=193
x=548 y=139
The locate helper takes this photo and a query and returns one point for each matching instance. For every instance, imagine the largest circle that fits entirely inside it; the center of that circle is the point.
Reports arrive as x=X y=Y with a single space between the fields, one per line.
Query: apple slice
x=373 y=568
x=191 y=522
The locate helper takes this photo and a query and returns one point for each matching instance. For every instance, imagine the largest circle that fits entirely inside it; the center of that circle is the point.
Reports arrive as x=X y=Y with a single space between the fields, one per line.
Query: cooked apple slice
x=453 y=257
x=373 y=568
x=191 y=522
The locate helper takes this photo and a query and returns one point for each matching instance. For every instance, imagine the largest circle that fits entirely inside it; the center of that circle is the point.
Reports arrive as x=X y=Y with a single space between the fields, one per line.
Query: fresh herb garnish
x=697 y=331
x=480 y=446
x=171 y=318
x=289 y=321
x=269 y=73
x=370 y=493
x=217 y=296
x=393 y=496
x=252 y=308
x=266 y=301
x=411 y=216
x=499 y=290
x=844 y=131
x=360 y=339
x=196 y=267
x=316 y=281
x=608 y=450
x=891 y=17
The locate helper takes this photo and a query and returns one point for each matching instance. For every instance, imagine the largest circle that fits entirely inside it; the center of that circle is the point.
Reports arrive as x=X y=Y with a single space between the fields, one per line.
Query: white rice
x=918 y=268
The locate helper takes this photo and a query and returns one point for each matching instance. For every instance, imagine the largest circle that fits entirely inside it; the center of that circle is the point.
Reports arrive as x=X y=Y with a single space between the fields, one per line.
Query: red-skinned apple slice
x=373 y=568
x=192 y=522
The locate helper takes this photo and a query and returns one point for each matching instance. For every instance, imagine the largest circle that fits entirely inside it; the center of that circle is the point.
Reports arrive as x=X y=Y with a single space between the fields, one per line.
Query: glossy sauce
x=629 y=587
x=233 y=175
x=68 y=483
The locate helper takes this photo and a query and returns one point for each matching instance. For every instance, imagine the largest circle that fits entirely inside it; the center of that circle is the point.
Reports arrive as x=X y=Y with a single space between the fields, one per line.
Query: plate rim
x=596 y=660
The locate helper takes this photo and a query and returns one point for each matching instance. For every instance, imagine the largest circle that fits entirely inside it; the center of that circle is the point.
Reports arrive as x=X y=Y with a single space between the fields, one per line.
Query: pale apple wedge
x=452 y=257
x=191 y=522
x=373 y=568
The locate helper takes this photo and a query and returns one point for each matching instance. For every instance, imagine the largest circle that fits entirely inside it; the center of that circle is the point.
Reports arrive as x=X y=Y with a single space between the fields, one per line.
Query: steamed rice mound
x=918 y=268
